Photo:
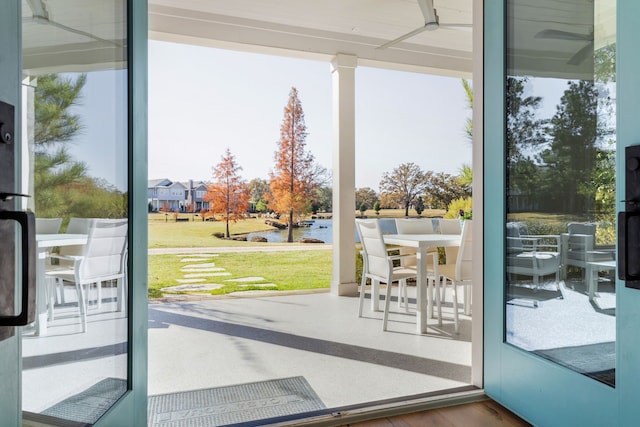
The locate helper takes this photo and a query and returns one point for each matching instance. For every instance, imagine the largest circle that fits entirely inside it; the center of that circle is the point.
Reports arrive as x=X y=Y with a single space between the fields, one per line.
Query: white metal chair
x=532 y=255
x=579 y=247
x=102 y=259
x=460 y=273
x=378 y=264
x=64 y=260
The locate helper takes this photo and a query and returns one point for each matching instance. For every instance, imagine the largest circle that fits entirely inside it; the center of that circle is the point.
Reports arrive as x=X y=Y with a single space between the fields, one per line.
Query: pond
x=320 y=229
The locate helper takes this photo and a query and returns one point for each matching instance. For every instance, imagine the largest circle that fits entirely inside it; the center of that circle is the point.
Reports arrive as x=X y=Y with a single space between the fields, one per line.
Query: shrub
x=462 y=204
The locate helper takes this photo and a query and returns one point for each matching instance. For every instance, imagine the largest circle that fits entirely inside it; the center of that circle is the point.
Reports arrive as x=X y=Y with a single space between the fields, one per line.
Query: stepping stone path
x=198 y=267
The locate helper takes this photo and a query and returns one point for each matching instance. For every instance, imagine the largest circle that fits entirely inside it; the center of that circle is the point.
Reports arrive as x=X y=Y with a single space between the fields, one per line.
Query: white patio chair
x=64 y=261
x=532 y=255
x=579 y=247
x=460 y=273
x=102 y=259
x=413 y=226
x=378 y=264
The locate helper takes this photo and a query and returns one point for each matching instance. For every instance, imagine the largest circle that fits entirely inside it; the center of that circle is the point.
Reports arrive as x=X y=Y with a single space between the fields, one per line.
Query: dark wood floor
x=486 y=413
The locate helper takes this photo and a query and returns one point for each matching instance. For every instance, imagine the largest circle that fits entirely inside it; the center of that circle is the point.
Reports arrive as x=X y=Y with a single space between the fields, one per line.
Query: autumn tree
x=228 y=194
x=403 y=184
x=295 y=176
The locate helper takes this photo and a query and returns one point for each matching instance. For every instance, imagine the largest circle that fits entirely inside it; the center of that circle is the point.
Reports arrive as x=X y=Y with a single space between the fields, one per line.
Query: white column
x=344 y=178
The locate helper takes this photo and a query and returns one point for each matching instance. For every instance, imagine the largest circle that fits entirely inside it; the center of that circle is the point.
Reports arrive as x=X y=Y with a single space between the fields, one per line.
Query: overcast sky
x=203 y=100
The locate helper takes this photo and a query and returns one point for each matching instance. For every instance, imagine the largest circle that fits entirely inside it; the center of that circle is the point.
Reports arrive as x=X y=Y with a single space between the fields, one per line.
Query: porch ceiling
x=321 y=29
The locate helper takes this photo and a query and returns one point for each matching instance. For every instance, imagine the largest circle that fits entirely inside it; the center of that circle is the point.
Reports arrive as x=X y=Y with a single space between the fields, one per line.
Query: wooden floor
x=486 y=413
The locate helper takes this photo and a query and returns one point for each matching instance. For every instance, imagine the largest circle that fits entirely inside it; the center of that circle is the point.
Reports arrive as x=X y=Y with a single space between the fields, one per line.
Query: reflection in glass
x=560 y=163
x=75 y=165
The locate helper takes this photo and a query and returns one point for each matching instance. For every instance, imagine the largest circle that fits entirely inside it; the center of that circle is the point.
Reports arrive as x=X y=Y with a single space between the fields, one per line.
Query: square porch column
x=344 y=178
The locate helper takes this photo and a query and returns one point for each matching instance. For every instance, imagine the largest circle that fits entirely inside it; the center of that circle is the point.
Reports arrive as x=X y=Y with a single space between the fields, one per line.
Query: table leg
x=423 y=297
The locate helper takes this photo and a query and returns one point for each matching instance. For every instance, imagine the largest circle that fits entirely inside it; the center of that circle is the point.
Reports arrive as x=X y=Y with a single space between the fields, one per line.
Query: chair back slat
x=373 y=246
x=106 y=243
x=48 y=225
x=414 y=226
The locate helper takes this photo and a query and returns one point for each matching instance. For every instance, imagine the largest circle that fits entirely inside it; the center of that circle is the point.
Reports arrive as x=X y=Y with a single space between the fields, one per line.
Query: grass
x=288 y=270
x=199 y=234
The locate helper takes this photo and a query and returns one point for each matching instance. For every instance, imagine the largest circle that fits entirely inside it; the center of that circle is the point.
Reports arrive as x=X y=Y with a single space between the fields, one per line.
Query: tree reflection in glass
x=560 y=199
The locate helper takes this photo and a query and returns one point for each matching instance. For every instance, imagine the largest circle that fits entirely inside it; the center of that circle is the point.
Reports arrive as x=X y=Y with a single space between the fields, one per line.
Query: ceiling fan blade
x=460 y=27
x=406 y=36
x=581 y=55
x=38 y=8
x=426 y=6
x=563 y=35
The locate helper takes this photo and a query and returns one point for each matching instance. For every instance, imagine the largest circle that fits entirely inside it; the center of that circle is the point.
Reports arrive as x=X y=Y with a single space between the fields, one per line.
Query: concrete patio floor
x=346 y=359
x=206 y=342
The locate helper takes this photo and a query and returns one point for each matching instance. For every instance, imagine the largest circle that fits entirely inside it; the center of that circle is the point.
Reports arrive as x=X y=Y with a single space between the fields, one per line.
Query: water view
x=320 y=229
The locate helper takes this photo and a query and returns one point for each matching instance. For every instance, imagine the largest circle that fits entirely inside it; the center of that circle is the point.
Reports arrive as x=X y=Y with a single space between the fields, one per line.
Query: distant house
x=176 y=196
x=195 y=192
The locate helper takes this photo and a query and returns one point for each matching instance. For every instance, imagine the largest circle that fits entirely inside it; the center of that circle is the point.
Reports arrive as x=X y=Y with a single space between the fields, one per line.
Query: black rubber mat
x=233 y=404
x=89 y=405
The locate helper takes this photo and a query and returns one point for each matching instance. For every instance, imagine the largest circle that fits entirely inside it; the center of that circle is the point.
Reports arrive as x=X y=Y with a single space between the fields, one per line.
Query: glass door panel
x=560 y=177
x=75 y=121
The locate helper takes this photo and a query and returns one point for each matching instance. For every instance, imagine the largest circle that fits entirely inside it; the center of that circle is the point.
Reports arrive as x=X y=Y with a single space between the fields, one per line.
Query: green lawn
x=288 y=270
x=199 y=234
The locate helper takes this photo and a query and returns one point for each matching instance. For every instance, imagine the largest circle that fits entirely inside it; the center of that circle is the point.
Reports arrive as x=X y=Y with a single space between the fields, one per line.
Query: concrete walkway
x=226 y=249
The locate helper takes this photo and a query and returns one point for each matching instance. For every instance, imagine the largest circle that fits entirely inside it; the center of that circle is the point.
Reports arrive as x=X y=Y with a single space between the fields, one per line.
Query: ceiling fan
x=580 y=56
x=431 y=23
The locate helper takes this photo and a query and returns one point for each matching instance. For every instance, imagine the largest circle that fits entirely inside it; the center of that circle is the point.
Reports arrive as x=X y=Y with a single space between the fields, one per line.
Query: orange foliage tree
x=295 y=176
x=228 y=194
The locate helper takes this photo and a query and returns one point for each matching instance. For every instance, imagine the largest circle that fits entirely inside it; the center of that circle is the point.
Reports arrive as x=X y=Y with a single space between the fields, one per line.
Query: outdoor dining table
x=44 y=243
x=422 y=242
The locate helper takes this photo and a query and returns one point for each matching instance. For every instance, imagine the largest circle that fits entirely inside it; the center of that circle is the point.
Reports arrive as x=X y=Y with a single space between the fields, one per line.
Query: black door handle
x=27 y=221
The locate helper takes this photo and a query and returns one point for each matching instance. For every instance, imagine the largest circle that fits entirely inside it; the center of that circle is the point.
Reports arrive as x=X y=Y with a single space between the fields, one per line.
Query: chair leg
x=82 y=306
x=402 y=295
x=375 y=295
x=60 y=283
x=99 y=294
x=363 y=285
x=454 y=287
x=387 y=300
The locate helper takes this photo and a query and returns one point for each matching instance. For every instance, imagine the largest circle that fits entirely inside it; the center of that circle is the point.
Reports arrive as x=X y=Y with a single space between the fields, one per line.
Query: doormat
x=233 y=404
x=597 y=361
x=90 y=404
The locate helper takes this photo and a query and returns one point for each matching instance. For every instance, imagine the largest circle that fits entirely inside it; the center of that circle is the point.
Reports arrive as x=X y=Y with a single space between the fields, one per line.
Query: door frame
x=131 y=409
x=10 y=87
x=538 y=390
